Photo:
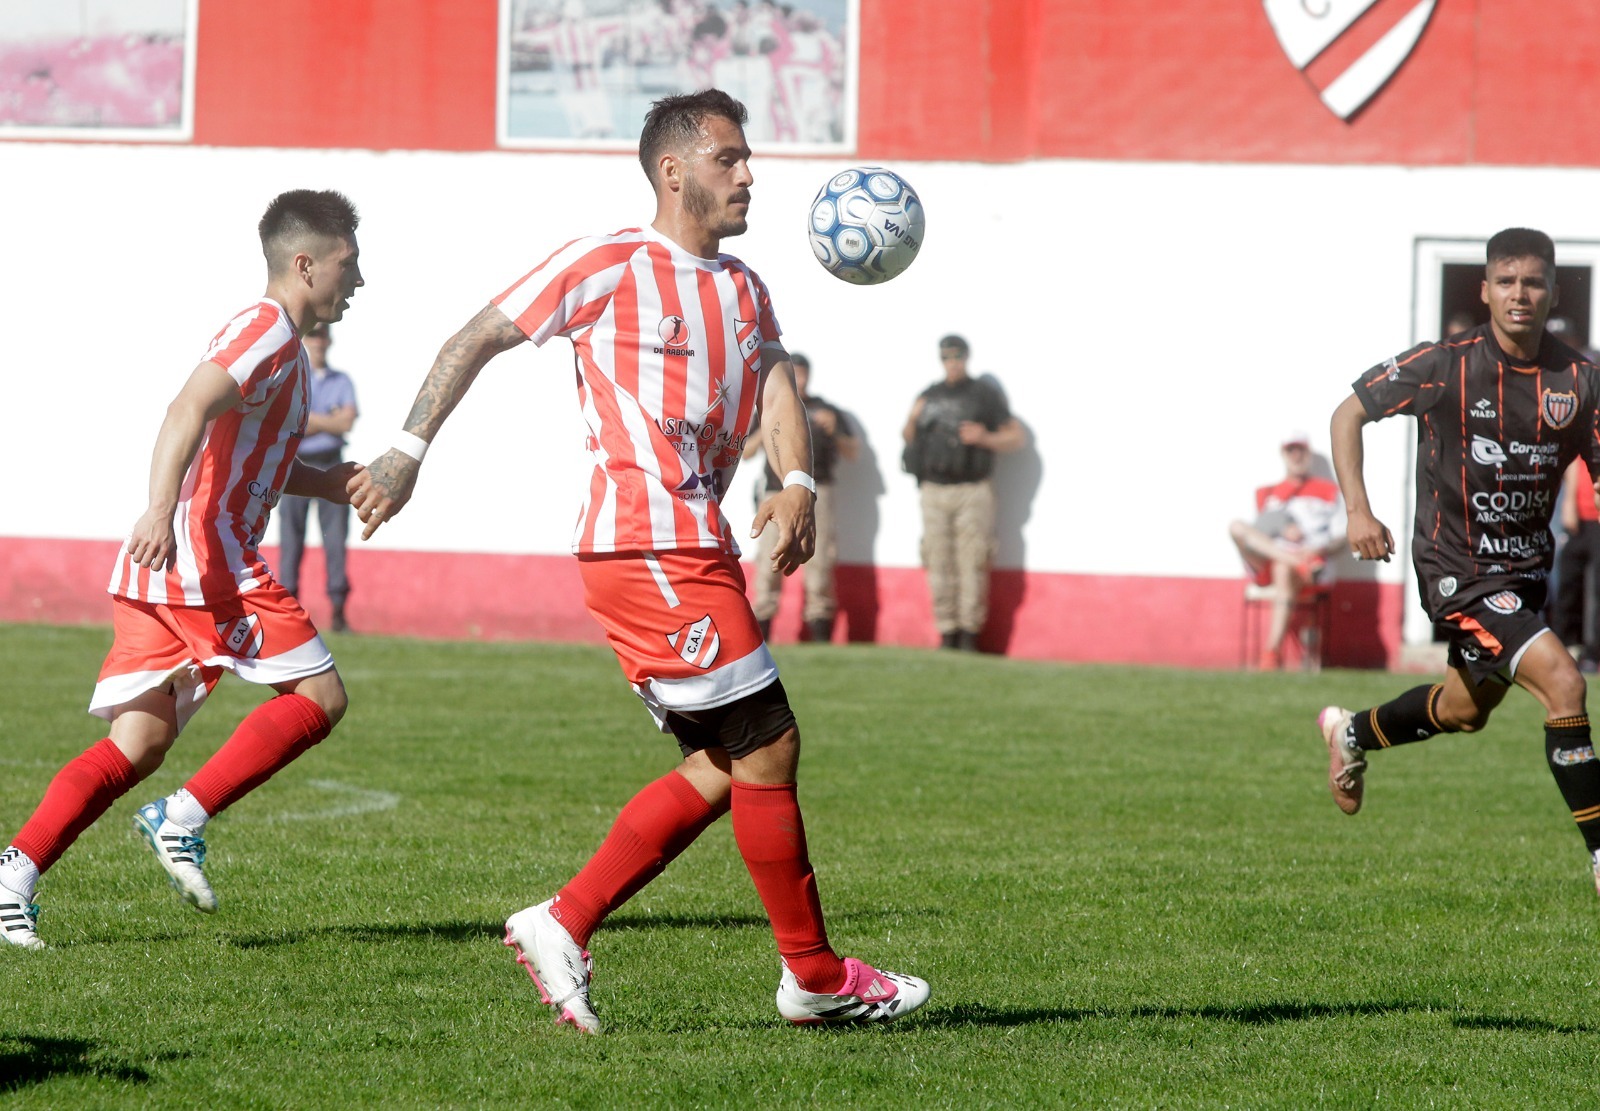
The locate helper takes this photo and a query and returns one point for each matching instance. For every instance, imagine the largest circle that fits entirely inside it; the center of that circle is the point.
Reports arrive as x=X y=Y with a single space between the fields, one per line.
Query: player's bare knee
x=1462 y=716
x=1565 y=693
x=327 y=691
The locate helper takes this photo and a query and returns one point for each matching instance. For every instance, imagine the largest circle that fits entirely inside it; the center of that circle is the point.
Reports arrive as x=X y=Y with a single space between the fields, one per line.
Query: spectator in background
x=1459 y=321
x=1299 y=522
x=1575 y=614
x=1574 y=608
x=831 y=441
x=333 y=413
x=956 y=428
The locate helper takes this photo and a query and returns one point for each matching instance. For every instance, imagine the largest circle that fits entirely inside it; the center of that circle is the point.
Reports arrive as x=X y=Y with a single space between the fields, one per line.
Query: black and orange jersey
x=1494 y=435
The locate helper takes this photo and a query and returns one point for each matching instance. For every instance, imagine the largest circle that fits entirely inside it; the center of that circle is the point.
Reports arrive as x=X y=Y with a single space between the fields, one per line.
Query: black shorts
x=740 y=727
x=1489 y=631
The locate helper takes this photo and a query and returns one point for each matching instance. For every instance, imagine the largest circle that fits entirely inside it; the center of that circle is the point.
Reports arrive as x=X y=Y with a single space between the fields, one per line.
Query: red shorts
x=262 y=636
x=680 y=625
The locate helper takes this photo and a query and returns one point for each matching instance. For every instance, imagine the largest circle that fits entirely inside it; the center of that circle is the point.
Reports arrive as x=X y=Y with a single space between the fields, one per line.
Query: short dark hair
x=677 y=121
x=799 y=360
x=953 y=342
x=1521 y=243
x=301 y=212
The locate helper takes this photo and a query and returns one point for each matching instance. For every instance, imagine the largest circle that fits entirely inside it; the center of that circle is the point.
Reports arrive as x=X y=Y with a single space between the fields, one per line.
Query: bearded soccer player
x=677 y=348
x=191 y=596
x=1501 y=410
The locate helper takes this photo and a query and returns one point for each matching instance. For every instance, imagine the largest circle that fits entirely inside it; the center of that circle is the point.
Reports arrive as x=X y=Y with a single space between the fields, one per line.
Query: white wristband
x=799 y=478
x=407 y=444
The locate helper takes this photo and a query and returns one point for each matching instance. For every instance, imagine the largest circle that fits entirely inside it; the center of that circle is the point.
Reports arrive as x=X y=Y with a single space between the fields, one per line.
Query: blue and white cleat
x=180 y=852
x=868 y=995
x=19 y=918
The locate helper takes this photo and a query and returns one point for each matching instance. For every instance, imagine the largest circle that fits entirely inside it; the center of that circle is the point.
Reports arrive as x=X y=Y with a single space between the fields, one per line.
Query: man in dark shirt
x=1501 y=411
x=831 y=441
x=955 y=429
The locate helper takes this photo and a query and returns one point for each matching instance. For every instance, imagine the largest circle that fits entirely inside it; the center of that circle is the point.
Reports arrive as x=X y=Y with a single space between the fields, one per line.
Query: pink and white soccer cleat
x=559 y=967
x=868 y=995
x=1346 y=766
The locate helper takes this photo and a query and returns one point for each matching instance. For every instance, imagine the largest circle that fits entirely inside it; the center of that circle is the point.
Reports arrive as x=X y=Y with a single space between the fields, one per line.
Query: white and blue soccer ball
x=866 y=225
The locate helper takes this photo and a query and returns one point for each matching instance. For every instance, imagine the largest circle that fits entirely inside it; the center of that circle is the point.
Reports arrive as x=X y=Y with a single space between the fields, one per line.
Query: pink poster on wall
x=581 y=74
x=97 y=69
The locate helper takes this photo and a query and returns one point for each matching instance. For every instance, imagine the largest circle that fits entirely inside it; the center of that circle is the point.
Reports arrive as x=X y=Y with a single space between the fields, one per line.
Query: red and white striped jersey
x=239 y=471
x=669 y=376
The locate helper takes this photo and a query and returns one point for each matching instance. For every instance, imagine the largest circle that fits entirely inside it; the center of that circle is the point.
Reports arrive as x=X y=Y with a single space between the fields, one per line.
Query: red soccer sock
x=80 y=793
x=267 y=740
x=657 y=824
x=772 y=839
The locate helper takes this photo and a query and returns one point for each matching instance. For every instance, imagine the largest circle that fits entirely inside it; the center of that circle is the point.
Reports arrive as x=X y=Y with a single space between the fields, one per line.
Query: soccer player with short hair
x=191 y=596
x=1501 y=411
x=677 y=347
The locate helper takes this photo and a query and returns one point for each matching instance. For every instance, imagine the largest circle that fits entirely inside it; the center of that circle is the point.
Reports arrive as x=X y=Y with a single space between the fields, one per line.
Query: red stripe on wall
x=1080 y=618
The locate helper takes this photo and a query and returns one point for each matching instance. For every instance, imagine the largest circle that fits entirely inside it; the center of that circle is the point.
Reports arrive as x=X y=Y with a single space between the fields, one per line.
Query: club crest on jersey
x=674 y=333
x=1558 y=409
x=242 y=635
x=697 y=642
x=1504 y=602
x=1447 y=586
x=749 y=336
x=1306 y=29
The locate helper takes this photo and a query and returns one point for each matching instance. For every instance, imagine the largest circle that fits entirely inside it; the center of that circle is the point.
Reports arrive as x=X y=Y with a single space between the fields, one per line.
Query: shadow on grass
x=477 y=931
x=456 y=932
x=1250 y=1014
x=26 y=1060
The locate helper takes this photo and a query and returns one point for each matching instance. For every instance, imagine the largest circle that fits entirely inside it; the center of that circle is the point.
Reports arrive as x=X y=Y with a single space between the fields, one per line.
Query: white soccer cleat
x=1345 y=767
x=19 y=918
x=180 y=852
x=559 y=967
x=868 y=995
x=1595 y=857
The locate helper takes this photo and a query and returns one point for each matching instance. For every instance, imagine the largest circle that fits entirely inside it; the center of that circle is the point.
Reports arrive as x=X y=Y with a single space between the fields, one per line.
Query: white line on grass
x=359 y=800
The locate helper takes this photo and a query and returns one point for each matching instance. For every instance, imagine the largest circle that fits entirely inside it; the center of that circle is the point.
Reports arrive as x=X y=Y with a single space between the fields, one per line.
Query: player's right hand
x=151 y=544
x=382 y=490
x=1369 y=537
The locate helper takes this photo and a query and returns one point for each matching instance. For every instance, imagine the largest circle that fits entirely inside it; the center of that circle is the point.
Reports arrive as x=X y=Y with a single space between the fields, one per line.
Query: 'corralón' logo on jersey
x=1487 y=452
x=1370 y=50
x=1558 y=409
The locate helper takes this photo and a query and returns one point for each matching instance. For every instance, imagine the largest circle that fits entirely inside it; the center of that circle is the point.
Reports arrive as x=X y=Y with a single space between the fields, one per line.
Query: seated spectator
x=1299 y=522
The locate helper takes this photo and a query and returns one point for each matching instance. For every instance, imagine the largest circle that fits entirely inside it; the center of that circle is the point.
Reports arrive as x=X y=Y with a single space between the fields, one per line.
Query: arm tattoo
x=456 y=367
x=774 y=447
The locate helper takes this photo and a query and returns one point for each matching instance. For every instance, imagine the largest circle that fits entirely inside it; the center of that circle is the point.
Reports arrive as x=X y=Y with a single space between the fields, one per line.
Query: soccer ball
x=866 y=225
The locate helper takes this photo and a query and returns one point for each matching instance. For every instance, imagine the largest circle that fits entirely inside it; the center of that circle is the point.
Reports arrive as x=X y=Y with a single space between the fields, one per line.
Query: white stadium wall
x=1157 y=327
x=1170 y=234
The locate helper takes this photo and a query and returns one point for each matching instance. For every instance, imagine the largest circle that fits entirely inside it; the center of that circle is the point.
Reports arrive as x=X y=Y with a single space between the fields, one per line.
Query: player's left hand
x=792 y=510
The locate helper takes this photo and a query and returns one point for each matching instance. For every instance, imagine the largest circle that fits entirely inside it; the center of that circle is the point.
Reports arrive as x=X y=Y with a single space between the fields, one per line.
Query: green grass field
x=1128 y=887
